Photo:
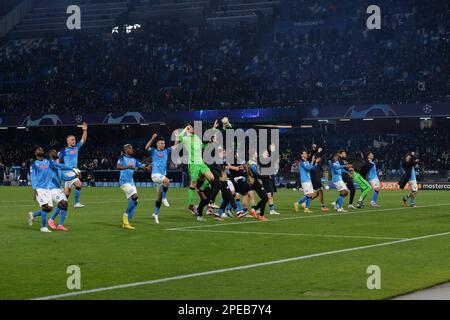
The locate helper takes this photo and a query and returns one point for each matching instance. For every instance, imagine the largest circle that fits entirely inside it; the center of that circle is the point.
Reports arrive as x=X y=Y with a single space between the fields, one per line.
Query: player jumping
x=197 y=167
x=409 y=176
x=160 y=156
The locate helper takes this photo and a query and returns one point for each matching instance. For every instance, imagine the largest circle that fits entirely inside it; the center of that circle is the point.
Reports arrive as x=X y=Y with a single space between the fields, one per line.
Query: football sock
x=375 y=196
x=164 y=191
x=77 y=194
x=55 y=213
x=191 y=196
x=62 y=216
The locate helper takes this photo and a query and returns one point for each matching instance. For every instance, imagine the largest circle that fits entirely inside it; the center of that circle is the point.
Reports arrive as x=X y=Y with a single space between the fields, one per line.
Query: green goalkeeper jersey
x=194 y=148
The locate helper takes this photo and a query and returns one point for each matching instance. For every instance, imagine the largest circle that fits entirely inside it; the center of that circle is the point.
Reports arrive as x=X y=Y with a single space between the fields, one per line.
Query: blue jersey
x=336 y=171
x=70 y=155
x=160 y=158
x=43 y=174
x=304 y=168
x=126 y=176
x=373 y=174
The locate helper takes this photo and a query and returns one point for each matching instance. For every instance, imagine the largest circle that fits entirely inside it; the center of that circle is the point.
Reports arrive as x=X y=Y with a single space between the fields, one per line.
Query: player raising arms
x=127 y=164
x=372 y=176
x=336 y=173
x=196 y=166
x=160 y=156
x=45 y=192
x=69 y=155
x=316 y=174
x=305 y=168
x=409 y=162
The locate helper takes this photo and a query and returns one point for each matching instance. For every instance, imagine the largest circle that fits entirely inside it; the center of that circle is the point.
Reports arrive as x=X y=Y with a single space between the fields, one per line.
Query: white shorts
x=43 y=197
x=413 y=184
x=375 y=183
x=128 y=189
x=58 y=195
x=340 y=185
x=307 y=187
x=231 y=186
x=69 y=184
x=158 y=179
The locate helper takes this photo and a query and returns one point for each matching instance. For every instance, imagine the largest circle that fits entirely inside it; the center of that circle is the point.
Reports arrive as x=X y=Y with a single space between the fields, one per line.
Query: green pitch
x=330 y=253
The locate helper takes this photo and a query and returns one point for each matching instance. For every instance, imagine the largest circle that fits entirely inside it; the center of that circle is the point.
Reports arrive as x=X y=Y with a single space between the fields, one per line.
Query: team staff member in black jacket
x=268 y=181
x=347 y=179
x=408 y=163
x=316 y=174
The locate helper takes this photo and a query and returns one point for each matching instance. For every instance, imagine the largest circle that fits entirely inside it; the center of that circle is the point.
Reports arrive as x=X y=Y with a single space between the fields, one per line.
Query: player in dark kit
x=316 y=173
x=347 y=179
x=268 y=182
x=209 y=193
x=408 y=163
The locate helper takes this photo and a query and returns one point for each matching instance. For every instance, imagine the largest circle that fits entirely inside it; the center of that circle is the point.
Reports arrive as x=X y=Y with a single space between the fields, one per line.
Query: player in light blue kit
x=160 y=156
x=372 y=176
x=305 y=168
x=127 y=164
x=336 y=173
x=69 y=155
x=60 y=196
x=42 y=172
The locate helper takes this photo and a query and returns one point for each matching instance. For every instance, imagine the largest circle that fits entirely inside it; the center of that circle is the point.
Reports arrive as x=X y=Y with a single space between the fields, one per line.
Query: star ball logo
x=427 y=109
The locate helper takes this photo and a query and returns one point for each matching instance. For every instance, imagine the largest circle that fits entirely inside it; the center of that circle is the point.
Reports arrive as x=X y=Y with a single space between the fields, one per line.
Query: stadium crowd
x=180 y=67
x=432 y=147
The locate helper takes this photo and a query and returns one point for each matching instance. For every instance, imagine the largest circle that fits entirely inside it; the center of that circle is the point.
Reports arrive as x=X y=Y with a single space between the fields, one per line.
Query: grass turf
x=34 y=264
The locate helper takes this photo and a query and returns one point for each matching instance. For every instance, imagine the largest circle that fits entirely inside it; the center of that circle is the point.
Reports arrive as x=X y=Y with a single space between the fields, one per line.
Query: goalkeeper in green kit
x=358 y=172
x=196 y=166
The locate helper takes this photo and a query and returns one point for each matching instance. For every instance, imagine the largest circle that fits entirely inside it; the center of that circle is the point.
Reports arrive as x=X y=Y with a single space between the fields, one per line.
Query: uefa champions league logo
x=427 y=109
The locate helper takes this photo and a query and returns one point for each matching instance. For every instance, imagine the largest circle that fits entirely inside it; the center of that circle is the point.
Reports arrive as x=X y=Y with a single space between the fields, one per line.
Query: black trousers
x=262 y=194
x=350 y=186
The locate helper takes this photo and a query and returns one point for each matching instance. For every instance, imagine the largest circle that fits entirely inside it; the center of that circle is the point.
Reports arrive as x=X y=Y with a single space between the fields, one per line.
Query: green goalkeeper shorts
x=196 y=170
x=360 y=181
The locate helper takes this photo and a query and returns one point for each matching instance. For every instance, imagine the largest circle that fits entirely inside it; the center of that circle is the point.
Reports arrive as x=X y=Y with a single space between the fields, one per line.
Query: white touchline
x=291 y=234
x=303 y=217
x=249 y=266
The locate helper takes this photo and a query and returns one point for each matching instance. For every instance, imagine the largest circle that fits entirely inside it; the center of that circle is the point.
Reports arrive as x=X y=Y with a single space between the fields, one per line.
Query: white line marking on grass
x=304 y=217
x=244 y=267
x=292 y=234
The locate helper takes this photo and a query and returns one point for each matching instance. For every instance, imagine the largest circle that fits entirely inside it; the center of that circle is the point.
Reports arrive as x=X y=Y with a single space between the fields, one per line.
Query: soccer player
x=58 y=195
x=409 y=162
x=373 y=179
x=305 y=168
x=42 y=174
x=196 y=166
x=268 y=182
x=254 y=179
x=361 y=168
x=347 y=179
x=316 y=174
x=336 y=172
x=69 y=155
x=160 y=156
x=127 y=164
